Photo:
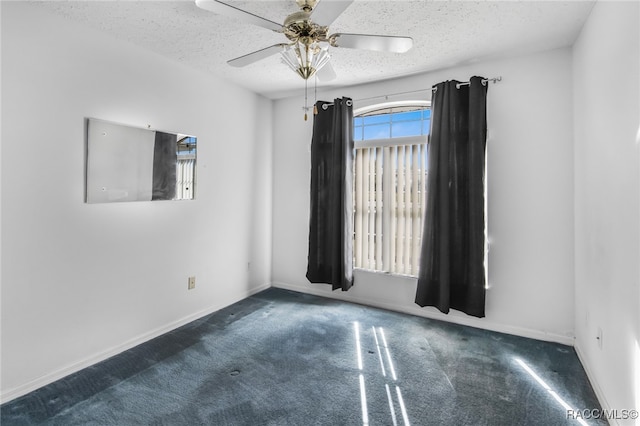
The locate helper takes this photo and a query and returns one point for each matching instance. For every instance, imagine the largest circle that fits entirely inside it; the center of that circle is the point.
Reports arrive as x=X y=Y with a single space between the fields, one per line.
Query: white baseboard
x=24 y=389
x=39 y=382
x=421 y=312
x=594 y=383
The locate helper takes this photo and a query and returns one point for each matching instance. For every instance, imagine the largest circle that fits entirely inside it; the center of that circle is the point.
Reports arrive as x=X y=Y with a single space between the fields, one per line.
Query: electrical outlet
x=192 y=283
x=599 y=337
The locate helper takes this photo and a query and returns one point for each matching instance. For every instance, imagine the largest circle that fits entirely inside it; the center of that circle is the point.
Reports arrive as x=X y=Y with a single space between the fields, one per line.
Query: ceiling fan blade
x=326 y=11
x=326 y=73
x=380 y=43
x=257 y=55
x=225 y=9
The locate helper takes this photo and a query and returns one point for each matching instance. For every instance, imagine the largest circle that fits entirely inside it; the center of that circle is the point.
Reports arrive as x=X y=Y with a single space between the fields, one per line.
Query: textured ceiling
x=445 y=34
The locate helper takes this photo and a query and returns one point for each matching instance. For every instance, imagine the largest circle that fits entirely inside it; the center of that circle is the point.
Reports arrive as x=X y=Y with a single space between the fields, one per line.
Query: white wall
x=83 y=281
x=607 y=201
x=530 y=201
x=80 y=282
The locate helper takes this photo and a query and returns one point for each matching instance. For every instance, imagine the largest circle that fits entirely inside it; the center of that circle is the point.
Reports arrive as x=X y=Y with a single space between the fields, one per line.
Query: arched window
x=390 y=169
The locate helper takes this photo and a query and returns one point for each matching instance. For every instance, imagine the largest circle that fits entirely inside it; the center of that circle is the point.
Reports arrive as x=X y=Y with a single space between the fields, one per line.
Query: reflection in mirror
x=186 y=167
x=132 y=164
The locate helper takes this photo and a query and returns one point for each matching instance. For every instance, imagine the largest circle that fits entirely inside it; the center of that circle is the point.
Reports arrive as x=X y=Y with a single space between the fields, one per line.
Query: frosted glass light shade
x=305 y=59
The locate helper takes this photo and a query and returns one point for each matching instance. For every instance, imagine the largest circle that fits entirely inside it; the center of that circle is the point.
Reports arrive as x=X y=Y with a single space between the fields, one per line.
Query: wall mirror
x=127 y=163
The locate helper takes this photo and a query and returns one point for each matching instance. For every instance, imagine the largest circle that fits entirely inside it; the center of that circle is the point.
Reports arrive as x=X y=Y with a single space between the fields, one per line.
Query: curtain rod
x=328 y=104
x=464 y=83
x=484 y=82
x=433 y=89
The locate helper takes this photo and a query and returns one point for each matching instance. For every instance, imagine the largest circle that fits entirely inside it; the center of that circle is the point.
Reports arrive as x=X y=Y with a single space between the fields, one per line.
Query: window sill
x=386 y=274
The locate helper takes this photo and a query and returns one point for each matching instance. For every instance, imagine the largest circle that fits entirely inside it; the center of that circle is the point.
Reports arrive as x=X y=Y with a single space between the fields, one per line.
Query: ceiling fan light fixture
x=305 y=59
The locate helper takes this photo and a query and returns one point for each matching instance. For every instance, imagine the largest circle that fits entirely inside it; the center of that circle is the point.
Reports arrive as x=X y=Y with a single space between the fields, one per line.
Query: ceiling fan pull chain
x=315 y=95
x=306 y=107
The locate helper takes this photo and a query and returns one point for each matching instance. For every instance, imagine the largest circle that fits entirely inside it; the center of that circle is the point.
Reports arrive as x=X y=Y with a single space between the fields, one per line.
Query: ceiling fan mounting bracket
x=306 y=5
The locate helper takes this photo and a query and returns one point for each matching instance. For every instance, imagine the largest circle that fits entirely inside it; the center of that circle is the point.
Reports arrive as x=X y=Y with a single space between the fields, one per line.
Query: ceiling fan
x=307 y=51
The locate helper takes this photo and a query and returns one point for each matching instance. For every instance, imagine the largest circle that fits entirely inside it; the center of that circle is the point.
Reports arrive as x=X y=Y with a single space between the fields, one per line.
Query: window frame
x=388 y=142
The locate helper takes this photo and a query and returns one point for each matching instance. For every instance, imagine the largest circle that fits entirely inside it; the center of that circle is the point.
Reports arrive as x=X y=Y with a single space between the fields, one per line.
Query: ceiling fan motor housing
x=298 y=27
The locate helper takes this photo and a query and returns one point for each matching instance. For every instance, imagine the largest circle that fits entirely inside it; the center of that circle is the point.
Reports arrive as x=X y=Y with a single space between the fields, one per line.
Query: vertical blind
x=389 y=198
x=185 y=168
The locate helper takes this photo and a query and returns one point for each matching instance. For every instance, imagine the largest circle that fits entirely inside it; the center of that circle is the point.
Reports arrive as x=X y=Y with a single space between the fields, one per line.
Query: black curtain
x=330 y=257
x=452 y=273
x=164 y=166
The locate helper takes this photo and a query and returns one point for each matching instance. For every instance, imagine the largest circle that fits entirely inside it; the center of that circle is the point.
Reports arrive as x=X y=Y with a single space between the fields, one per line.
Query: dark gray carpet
x=285 y=358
